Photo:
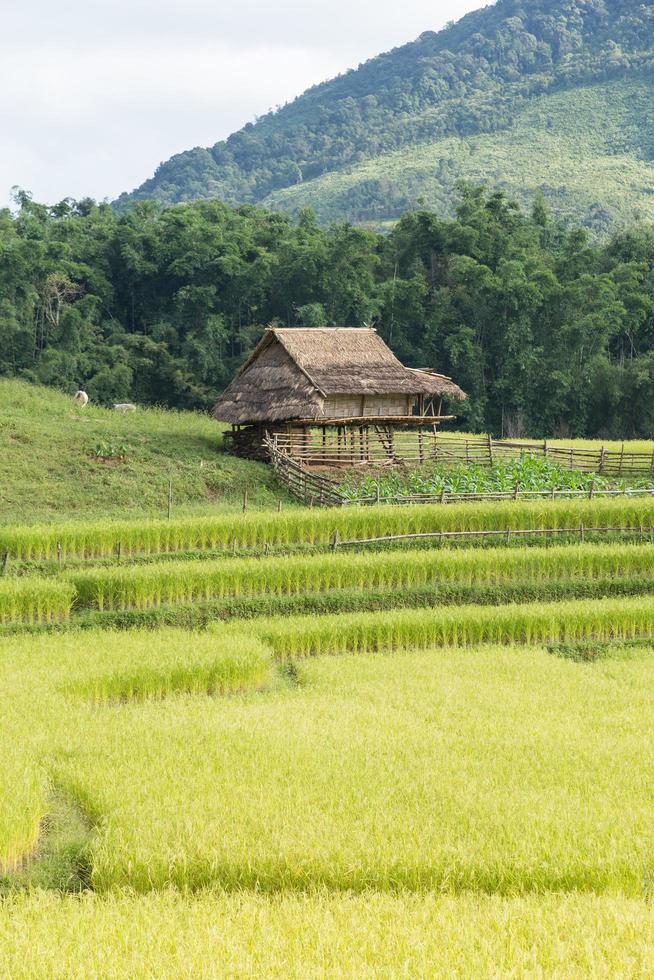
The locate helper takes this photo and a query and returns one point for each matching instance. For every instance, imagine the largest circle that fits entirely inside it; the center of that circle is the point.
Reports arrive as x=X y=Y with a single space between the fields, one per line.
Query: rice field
x=298 y=936
x=413 y=792
x=311 y=528
x=35 y=600
x=483 y=770
x=23 y=806
x=410 y=629
x=145 y=586
x=146 y=670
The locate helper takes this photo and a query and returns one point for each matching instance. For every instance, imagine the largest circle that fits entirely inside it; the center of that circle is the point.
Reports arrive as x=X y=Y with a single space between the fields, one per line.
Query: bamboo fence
x=581 y=530
x=297 y=461
x=379 y=444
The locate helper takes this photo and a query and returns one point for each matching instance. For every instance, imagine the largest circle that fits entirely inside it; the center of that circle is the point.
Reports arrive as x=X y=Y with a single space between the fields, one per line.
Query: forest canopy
x=549 y=332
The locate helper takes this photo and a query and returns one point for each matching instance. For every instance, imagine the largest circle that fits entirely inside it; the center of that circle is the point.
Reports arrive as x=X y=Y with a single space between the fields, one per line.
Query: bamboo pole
x=522 y=532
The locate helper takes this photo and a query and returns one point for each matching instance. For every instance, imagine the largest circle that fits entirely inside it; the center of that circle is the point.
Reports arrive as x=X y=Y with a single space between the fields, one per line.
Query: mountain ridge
x=472 y=78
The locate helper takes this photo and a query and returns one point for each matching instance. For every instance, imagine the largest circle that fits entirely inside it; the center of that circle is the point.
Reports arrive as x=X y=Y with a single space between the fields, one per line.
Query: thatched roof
x=292 y=371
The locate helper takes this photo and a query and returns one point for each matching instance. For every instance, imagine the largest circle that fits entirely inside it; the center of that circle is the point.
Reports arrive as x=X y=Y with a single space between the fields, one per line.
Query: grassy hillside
x=472 y=101
x=589 y=151
x=54 y=464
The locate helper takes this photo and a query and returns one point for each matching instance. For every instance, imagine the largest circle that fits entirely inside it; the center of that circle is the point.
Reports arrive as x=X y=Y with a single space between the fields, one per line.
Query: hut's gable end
x=271 y=387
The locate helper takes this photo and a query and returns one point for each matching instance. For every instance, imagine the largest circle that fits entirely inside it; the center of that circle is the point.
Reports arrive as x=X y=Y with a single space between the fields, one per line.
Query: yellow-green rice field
x=452 y=809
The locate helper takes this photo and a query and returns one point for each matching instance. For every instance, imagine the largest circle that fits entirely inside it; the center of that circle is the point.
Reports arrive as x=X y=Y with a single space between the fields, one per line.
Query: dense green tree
x=547 y=331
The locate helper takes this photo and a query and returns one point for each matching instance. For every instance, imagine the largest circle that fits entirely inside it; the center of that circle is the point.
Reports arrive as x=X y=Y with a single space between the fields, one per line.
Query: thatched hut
x=299 y=379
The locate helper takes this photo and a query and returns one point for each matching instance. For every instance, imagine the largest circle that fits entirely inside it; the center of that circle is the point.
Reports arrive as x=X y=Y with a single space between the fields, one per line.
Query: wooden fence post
x=279 y=506
x=335 y=540
x=591 y=491
x=516 y=491
x=602 y=460
x=59 y=553
x=170 y=498
x=5 y=563
x=490 y=449
x=245 y=501
x=119 y=550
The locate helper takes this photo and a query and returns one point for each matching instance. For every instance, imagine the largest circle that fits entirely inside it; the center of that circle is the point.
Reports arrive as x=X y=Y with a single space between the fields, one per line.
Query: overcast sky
x=94 y=94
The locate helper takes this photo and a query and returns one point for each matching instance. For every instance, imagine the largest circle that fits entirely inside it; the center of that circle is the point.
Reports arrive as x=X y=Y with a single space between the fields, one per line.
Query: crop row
x=210 y=665
x=487 y=770
x=35 y=600
x=142 y=587
x=312 y=934
x=534 y=623
x=313 y=527
x=22 y=810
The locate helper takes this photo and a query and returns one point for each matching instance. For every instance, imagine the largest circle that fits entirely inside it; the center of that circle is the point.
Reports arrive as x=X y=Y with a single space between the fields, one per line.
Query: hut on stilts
x=333 y=397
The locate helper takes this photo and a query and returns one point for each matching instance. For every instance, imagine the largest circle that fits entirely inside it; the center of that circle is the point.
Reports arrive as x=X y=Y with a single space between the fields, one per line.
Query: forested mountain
x=549 y=332
x=551 y=95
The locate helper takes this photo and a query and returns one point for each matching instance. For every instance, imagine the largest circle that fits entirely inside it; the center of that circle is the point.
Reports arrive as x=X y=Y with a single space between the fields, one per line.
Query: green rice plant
x=314 y=527
x=315 y=934
x=51 y=685
x=212 y=665
x=22 y=805
x=461 y=626
x=35 y=600
x=500 y=770
x=142 y=587
x=199 y=614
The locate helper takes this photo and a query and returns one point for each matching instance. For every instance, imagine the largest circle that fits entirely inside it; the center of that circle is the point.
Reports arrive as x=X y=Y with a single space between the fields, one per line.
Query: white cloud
x=94 y=95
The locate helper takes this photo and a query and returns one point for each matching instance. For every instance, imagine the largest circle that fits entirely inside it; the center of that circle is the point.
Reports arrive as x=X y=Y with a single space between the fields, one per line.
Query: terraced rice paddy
x=312 y=528
x=173 y=582
x=411 y=792
x=35 y=600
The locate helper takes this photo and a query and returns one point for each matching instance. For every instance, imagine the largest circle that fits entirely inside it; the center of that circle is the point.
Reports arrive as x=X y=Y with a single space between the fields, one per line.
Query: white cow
x=81 y=398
